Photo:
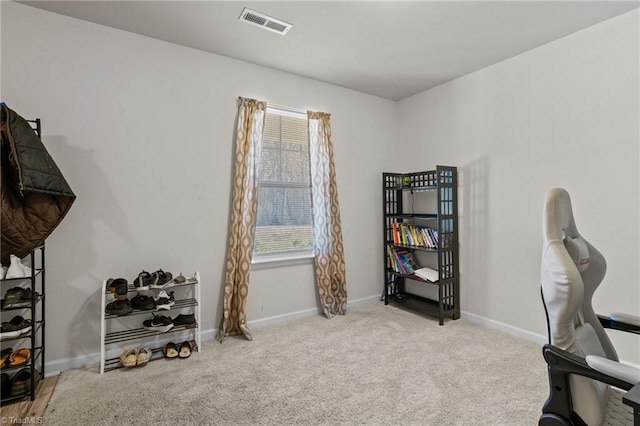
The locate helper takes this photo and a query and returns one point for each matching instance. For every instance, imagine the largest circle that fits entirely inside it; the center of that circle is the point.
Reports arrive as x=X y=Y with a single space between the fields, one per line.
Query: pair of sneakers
x=135 y=357
x=164 y=301
x=158 y=279
x=16 y=269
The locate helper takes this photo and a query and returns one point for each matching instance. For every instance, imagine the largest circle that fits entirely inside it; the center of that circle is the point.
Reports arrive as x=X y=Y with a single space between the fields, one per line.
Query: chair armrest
x=633 y=320
x=561 y=365
x=612 y=368
x=563 y=362
x=622 y=322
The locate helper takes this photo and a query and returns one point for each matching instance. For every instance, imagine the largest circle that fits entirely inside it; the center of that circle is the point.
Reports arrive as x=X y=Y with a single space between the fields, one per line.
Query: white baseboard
x=55 y=367
x=506 y=328
x=306 y=313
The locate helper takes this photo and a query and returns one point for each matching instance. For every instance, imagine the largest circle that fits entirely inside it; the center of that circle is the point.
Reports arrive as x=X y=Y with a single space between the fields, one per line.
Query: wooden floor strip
x=31 y=409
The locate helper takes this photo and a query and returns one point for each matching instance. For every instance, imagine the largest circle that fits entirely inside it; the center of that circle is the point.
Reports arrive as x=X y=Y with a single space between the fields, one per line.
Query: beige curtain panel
x=327 y=230
x=249 y=129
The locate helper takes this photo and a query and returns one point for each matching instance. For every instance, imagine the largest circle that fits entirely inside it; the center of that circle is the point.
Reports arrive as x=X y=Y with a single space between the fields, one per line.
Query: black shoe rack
x=33 y=340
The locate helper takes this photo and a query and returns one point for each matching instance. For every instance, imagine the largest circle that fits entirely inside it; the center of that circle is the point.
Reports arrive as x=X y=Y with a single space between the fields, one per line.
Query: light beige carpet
x=378 y=365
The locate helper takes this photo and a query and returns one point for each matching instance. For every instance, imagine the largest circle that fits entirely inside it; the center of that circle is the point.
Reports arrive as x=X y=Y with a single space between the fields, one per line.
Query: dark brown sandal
x=186 y=348
x=170 y=350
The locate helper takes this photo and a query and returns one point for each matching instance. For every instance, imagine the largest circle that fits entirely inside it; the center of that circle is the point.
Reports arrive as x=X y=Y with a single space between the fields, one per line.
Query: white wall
x=143 y=131
x=565 y=114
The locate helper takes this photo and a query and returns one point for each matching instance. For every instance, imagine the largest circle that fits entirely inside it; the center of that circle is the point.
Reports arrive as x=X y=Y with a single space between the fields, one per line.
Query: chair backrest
x=571 y=271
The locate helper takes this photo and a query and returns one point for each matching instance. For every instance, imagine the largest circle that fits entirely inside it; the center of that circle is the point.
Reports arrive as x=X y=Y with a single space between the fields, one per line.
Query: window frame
x=285 y=257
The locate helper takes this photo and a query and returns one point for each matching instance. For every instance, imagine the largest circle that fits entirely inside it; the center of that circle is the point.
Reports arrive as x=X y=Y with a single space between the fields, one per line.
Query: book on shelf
x=402 y=261
x=428 y=274
x=395 y=233
x=414 y=235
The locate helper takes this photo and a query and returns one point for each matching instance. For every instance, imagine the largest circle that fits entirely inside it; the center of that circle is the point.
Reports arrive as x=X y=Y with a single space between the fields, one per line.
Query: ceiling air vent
x=263 y=21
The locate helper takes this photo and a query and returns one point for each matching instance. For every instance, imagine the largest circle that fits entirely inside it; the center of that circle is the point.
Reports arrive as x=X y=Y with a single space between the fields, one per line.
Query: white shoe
x=15 y=268
x=26 y=270
x=3 y=272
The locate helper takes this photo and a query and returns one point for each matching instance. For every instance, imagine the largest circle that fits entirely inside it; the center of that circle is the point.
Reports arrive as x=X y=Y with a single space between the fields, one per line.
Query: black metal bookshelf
x=398 y=192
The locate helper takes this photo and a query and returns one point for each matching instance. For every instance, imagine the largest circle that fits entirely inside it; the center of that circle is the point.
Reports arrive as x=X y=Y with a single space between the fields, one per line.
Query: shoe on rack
x=161 y=279
x=165 y=301
x=186 y=348
x=170 y=350
x=15 y=328
x=21 y=382
x=118 y=286
x=19 y=357
x=26 y=270
x=142 y=302
x=158 y=323
x=119 y=308
x=143 y=356
x=143 y=281
x=3 y=272
x=4 y=356
x=15 y=269
x=5 y=384
x=129 y=358
x=17 y=297
x=188 y=321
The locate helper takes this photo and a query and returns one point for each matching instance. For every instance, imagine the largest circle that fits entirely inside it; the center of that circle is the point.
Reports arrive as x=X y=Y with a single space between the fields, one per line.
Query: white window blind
x=284 y=189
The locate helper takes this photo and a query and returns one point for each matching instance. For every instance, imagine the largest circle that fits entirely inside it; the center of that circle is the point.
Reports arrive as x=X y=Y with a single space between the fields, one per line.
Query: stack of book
x=403 y=262
x=414 y=235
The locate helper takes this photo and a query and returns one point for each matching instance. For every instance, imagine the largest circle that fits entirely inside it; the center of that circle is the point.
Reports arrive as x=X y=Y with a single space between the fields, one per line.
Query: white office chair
x=582 y=364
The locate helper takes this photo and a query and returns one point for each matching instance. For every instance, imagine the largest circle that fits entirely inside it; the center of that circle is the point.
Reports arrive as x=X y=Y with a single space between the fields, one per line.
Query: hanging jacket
x=35 y=195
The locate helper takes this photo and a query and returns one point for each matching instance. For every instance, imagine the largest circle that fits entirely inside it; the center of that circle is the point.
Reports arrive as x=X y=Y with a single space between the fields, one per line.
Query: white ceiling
x=391 y=49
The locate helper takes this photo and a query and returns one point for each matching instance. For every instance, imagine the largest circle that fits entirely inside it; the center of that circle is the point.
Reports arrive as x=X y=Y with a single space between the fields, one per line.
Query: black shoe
x=21 y=381
x=143 y=281
x=161 y=279
x=189 y=321
x=159 y=323
x=143 y=303
x=5 y=384
x=119 y=308
x=119 y=286
x=15 y=328
x=17 y=297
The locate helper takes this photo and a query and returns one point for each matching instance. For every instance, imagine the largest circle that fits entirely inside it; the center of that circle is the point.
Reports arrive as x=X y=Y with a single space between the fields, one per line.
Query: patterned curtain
x=249 y=130
x=327 y=231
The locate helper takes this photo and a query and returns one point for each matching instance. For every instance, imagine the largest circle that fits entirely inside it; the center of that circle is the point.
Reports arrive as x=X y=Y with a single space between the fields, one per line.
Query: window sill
x=283 y=259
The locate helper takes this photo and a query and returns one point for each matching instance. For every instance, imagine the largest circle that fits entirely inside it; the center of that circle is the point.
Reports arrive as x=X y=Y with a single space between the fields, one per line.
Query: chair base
x=549 y=419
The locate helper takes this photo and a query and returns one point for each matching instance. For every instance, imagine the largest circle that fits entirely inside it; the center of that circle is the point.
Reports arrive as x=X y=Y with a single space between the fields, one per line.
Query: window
x=283 y=226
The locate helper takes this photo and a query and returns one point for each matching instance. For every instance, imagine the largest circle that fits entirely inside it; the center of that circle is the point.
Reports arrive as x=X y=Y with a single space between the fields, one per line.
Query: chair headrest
x=558 y=222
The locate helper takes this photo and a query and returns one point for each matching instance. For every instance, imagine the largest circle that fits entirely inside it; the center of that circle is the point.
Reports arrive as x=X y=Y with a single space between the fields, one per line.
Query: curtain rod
x=286 y=108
